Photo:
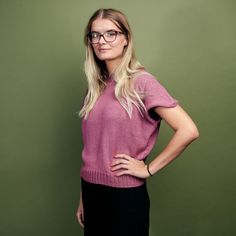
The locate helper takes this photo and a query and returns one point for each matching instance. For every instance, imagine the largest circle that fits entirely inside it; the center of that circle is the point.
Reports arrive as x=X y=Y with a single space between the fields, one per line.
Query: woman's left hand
x=127 y=165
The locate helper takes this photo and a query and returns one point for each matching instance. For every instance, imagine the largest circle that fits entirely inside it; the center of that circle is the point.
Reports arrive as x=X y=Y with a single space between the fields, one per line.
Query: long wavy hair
x=96 y=71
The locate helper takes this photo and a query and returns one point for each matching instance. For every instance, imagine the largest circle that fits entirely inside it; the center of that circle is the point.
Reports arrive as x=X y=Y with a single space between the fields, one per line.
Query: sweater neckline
x=110 y=79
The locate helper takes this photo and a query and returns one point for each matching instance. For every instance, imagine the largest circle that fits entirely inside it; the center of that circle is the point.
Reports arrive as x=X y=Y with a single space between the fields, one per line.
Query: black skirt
x=110 y=211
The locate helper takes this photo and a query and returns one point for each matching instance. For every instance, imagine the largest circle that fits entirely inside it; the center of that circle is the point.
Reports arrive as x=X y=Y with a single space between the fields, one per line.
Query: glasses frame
x=102 y=35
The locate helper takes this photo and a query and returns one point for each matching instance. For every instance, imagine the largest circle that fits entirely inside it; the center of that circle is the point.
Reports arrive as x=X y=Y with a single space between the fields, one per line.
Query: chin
x=104 y=58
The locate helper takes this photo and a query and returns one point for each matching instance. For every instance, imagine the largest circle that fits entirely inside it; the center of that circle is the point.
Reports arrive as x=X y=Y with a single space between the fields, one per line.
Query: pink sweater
x=109 y=130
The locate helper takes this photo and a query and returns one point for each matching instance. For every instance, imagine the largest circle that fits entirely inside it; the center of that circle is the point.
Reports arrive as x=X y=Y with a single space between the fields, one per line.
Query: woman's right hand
x=80 y=212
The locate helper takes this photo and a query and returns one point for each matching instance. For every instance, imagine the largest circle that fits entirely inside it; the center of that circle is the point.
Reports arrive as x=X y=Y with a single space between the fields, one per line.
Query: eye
x=110 y=33
x=94 y=34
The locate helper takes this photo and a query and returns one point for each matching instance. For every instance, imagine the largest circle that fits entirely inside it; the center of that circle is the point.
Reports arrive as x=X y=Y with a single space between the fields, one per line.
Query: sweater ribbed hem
x=99 y=177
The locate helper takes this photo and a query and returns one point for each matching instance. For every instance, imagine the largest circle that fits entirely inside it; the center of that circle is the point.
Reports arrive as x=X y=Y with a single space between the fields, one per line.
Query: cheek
x=95 y=50
x=94 y=47
x=120 y=44
x=118 y=47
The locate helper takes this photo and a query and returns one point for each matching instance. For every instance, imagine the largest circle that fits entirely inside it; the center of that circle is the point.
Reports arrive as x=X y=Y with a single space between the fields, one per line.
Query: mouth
x=103 y=49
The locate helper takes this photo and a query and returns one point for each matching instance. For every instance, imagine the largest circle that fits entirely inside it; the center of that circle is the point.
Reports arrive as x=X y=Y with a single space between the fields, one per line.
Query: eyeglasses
x=108 y=36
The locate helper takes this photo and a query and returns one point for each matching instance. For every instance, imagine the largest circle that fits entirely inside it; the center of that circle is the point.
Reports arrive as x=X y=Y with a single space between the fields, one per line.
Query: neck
x=112 y=65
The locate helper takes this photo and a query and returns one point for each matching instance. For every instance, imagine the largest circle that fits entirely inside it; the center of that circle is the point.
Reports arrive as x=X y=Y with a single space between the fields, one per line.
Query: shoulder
x=143 y=79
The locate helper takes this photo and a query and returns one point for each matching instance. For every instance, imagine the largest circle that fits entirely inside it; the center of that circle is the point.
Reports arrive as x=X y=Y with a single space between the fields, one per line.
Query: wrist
x=150 y=174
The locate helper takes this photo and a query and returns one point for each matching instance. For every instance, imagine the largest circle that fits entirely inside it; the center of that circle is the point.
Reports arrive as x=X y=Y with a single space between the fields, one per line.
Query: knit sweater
x=108 y=130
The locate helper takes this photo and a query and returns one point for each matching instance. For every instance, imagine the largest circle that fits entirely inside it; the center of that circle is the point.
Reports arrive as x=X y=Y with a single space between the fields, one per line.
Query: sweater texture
x=108 y=130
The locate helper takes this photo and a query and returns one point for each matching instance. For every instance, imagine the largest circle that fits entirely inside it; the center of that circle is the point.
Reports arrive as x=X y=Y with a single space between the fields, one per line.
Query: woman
x=121 y=113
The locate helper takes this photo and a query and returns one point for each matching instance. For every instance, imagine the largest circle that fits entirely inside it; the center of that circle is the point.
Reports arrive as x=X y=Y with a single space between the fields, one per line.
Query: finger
x=120 y=166
x=81 y=219
x=123 y=172
x=81 y=224
x=119 y=161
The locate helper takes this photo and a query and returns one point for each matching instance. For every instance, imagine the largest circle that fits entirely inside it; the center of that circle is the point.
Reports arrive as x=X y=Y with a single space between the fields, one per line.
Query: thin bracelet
x=149 y=170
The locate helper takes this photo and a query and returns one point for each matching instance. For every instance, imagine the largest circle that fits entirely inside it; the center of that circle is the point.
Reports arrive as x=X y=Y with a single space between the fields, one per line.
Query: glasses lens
x=110 y=36
x=94 y=37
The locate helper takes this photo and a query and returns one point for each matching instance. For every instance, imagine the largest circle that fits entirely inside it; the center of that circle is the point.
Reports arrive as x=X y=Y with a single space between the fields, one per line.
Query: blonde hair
x=96 y=71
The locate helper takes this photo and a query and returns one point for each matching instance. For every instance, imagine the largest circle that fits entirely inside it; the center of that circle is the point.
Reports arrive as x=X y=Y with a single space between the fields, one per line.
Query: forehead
x=102 y=25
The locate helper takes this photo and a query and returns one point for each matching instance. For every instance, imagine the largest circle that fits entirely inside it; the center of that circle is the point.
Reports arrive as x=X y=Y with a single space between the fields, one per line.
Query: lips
x=103 y=49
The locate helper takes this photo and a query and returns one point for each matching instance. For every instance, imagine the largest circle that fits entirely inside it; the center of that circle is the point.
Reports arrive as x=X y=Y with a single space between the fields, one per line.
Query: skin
x=185 y=130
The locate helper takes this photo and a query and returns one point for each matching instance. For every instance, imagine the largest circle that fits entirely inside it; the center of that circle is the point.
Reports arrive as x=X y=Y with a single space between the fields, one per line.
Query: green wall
x=188 y=44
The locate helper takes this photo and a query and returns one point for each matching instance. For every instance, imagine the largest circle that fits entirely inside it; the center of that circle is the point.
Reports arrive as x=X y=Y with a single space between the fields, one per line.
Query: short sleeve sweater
x=108 y=130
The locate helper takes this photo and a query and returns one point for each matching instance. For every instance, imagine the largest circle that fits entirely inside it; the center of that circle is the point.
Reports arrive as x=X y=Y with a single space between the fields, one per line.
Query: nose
x=102 y=40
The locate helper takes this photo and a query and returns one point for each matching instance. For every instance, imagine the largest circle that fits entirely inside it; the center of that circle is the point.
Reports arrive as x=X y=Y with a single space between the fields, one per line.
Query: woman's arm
x=80 y=211
x=185 y=132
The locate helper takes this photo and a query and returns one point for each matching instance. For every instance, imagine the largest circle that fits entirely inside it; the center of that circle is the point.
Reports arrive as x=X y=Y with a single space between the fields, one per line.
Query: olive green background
x=189 y=45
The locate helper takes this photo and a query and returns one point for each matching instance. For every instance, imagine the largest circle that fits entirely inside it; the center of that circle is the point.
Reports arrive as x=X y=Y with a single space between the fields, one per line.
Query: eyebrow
x=104 y=31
